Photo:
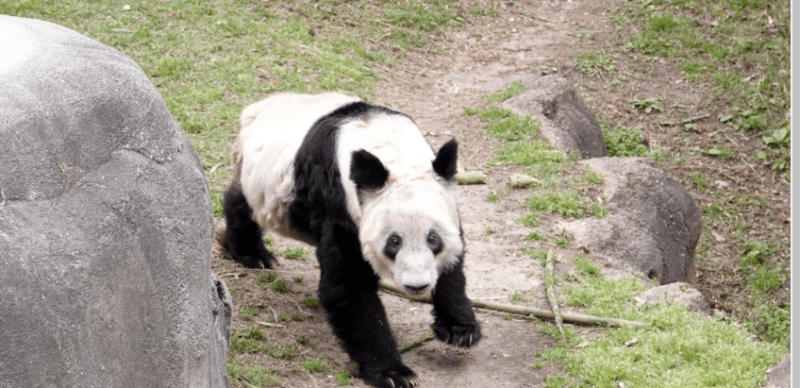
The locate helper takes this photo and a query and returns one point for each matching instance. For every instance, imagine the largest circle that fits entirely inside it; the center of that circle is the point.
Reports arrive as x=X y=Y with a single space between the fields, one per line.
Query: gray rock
x=780 y=375
x=677 y=293
x=653 y=223
x=105 y=224
x=566 y=121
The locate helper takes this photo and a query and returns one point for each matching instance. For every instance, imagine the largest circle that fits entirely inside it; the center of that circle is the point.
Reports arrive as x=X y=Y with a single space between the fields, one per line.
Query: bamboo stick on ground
x=551 y=293
x=536 y=312
x=408 y=345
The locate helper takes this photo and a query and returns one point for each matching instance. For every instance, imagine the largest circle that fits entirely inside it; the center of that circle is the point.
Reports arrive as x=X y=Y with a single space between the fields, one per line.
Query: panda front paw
x=463 y=335
x=395 y=377
x=256 y=262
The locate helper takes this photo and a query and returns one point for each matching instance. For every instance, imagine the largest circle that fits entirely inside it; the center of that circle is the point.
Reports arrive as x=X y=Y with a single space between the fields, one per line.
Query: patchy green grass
x=739 y=53
x=266 y=277
x=585 y=266
x=681 y=349
x=505 y=125
x=534 y=236
x=778 y=152
x=755 y=264
x=624 y=142
x=247 y=341
x=280 y=286
x=563 y=240
x=469 y=111
x=311 y=302
x=647 y=105
x=315 y=364
x=774 y=324
x=501 y=95
x=595 y=62
x=256 y=376
x=538 y=157
x=344 y=378
x=288 y=352
x=249 y=314
x=593 y=177
x=530 y=219
x=565 y=203
x=295 y=253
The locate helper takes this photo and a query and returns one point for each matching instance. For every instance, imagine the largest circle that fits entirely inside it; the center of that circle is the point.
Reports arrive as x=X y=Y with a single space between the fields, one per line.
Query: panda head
x=410 y=231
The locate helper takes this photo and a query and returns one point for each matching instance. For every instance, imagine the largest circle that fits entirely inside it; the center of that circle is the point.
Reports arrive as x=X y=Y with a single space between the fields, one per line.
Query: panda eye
x=434 y=242
x=433 y=239
x=393 y=245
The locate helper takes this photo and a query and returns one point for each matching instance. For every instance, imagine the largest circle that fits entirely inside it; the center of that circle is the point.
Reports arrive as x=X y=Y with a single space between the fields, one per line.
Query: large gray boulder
x=105 y=224
x=566 y=121
x=781 y=375
x=653 y=223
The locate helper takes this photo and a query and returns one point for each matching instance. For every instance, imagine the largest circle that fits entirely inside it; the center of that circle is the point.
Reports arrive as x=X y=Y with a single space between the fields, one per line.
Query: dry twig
x=536 y=312
x=551 y=293
x=408 y=345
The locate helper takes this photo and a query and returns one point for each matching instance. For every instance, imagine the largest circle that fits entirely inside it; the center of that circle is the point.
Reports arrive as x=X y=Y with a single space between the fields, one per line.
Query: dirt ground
x=434 y=86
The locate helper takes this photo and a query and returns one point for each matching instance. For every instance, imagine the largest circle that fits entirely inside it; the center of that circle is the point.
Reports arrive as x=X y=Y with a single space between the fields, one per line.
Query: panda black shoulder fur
x=360 y=183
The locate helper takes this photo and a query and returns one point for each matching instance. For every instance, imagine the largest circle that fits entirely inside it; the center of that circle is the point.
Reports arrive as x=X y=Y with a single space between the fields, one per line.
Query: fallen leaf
x=632 y=342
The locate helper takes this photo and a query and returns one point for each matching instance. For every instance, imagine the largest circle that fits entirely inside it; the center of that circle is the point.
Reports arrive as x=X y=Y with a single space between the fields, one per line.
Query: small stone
x=471 y=178
x=717 y=237
x=522 y=180
x=679 y=293
x=722 y=184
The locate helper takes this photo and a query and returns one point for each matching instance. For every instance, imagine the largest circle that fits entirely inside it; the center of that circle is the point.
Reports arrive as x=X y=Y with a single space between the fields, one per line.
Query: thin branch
x=536 y=312
x=551 y=294
x=537 y=18
x=408 y=345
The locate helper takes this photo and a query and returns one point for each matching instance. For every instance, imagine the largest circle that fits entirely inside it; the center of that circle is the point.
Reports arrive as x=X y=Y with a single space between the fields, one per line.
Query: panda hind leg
x=244 y=239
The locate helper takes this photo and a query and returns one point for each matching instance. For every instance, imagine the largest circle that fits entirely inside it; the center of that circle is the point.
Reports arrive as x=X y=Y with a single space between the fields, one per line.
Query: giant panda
x=361 y=184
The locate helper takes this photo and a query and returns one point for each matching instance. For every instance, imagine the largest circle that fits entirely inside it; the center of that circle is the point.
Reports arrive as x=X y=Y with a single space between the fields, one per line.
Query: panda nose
x=416 y=288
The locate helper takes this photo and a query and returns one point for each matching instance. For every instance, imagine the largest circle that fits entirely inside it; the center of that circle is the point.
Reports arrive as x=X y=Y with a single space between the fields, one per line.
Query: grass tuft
x=247 y=341
x=295 y=253
x=531 y=219
x=280 y=286
x=512 y=90
x=311 y=302
x=315 y=364
x=585 y=266
x=565 y=203
x=344 y=379
x=624 y=142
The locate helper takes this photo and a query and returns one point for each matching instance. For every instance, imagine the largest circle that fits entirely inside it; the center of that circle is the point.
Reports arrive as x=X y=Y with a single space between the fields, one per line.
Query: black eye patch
x=435 y=242
x=393 y=245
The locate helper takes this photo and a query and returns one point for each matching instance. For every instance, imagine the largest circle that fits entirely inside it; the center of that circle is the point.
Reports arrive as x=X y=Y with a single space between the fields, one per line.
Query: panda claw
x=391 y=382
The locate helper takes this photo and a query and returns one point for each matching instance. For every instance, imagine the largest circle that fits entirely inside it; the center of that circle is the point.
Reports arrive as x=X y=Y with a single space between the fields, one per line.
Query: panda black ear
x=367 y=171
x=446 y=160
